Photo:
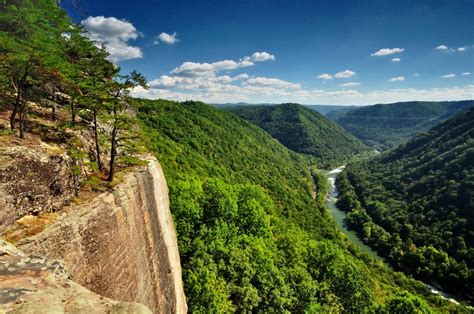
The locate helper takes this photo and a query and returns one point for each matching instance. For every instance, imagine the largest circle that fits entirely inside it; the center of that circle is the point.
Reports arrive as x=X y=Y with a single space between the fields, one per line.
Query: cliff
x=122 y=244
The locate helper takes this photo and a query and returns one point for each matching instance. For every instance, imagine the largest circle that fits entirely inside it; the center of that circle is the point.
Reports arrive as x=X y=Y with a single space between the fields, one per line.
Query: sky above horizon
x=272 y=51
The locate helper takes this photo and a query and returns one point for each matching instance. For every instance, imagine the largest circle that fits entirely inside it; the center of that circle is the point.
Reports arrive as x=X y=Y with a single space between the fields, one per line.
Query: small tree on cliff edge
x=121 y=119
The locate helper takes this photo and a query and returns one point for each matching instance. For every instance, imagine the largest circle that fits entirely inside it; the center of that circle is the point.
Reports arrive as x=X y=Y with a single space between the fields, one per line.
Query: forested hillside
x=416 y=204
x=304 y=131
x=251 y=236
x=388 y=125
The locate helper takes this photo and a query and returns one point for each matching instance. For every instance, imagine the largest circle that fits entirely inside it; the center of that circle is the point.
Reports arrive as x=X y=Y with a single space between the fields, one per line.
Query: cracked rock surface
x=31 y=284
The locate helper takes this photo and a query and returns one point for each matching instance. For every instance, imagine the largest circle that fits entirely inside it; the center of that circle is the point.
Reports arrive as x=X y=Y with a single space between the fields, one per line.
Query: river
x=340 y=218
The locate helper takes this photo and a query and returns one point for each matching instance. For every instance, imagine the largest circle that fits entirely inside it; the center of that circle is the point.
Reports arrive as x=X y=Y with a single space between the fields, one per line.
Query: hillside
x=304 y=131
x=387 y=125
x=415 y=204
x=251 y=236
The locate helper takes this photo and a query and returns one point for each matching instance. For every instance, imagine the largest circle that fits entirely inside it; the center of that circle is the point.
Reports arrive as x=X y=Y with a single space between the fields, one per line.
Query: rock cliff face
x=122 y=244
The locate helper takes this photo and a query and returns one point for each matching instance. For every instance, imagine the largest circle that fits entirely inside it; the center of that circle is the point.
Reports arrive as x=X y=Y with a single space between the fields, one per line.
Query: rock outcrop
x=122 y=244
x=30 y=284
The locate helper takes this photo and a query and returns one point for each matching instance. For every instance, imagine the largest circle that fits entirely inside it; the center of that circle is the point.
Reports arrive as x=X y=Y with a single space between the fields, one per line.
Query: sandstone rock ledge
x=31 y=284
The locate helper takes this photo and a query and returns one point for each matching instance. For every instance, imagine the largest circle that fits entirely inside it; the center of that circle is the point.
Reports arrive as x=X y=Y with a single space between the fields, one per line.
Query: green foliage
x=415 y=204
x=386 y=126
x=405 y=302
x=31 y=40
x=251 y=237
x=304 y=131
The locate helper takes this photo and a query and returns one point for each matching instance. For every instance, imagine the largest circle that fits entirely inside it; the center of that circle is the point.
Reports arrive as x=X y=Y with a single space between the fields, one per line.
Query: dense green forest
x=415 y=204
x=252 y=235
x=304 y=131
x=388 y=125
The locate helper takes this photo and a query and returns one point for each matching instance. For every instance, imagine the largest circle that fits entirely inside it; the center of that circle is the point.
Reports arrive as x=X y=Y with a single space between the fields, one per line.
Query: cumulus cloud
x=239 y=77
x=349 y=84
x=387 y=51
x=166 y=38
x=466 y=73
x=461 y=49
x=325 y=76
x=397 y=79
x=193 y=69
x=442 y=48
x=115 y=34
x=449 y=75
x=271 y=82
x=260 y=57
x=396 y=60
x=344 y=74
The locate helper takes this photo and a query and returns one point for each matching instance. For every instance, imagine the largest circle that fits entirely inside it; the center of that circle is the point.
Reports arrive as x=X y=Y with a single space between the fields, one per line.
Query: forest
x=304 y=131
x=220 y=168
x=415 y=204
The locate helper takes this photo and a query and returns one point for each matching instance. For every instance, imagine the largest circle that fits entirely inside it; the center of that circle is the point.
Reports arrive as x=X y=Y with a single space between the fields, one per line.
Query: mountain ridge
x=304 y=131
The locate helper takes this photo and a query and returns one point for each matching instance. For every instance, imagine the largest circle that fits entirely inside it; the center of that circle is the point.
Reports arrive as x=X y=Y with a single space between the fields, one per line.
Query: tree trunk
x=15 y=110
x=22 y=122
x=96 y=139
x=73 y=112
x=113 y=153
x=53 y=111
x=12 y=118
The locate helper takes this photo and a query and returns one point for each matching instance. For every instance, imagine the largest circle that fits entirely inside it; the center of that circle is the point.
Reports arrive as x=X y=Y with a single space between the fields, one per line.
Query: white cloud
x=349 y=84
x=115 y=34
x=325 y=76
x=344 y=74
x=387 y=51
x=271 y=82
x=416 y=74
x=166 y=38
x=442 y=47
x=466 y=73
x=396 y=60
x=449 y=75
x=260 y=57
x=397 y=79
x=239 y=77
x=461 y=49
x=193 y=69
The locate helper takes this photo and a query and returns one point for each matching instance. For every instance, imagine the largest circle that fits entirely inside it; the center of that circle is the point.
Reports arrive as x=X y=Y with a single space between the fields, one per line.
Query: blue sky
x=313 y=52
